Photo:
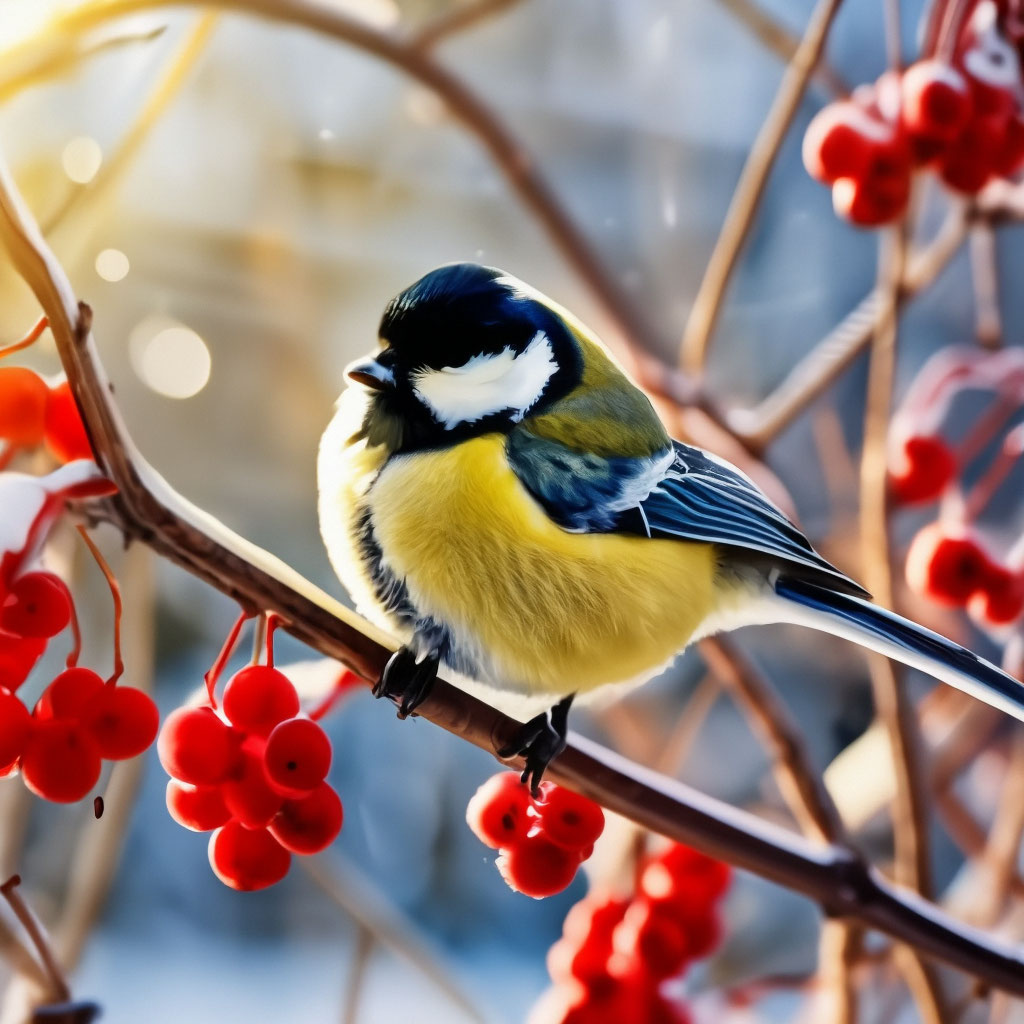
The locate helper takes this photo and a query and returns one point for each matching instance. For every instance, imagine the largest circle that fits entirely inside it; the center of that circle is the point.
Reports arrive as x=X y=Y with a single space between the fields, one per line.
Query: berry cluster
x=615 y=955
x=948 y=562
x=961 y=116
x=541 y=841
x=80 y=719
x=253 y=772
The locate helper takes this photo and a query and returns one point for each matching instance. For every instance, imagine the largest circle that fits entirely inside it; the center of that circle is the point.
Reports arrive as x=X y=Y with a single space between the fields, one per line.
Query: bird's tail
x=821 y=608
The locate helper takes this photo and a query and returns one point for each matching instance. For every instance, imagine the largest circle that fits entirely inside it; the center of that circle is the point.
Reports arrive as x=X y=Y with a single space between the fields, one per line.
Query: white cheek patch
x=488 y=384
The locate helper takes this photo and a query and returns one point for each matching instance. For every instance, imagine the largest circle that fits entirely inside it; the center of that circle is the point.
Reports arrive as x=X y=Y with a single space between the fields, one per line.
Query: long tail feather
x=899 y=638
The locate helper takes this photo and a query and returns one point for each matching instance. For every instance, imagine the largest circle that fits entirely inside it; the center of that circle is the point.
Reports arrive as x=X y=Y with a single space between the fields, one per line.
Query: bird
x=497 y=493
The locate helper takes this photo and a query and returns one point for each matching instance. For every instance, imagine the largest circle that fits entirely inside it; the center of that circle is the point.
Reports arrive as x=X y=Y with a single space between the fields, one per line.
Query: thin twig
x=838 y=951
x=40 y=940
x=347 y=887
x=37 y=61
x=778 y=39
x=892 y=703
x=456 y=20
x=750 y=188
x=835 y=353
x=1002 y=851
x=988 y=320
x=909 y=814
x=181 y=63
x=798 y=781
x=356 y=982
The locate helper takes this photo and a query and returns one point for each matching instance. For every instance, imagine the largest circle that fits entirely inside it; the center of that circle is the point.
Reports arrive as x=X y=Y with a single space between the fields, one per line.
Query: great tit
x=497 y=493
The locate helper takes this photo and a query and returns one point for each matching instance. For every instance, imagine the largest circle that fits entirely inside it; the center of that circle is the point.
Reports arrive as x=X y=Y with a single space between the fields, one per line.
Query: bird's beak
x=371 y=374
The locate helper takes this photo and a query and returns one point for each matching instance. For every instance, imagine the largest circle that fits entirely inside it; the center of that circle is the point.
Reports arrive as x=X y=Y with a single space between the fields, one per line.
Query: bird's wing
x=680 y=492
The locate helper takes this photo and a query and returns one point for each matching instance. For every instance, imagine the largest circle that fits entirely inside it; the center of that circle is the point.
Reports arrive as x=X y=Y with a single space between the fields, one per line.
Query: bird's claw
x=407 y=681
x=540 y=741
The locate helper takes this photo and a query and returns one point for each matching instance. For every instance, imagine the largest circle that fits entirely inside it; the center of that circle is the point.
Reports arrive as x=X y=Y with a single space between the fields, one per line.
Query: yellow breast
x=548 y=611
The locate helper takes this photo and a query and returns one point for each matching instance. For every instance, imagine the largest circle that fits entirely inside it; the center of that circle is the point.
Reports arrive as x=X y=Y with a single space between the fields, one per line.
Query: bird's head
x=466 y=350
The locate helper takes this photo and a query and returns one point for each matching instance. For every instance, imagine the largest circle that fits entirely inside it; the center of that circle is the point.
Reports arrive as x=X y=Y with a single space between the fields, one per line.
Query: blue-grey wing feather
x=681 y=493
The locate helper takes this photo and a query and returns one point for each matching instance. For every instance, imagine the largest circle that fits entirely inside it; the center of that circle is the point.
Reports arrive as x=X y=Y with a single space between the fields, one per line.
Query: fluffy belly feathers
x=544 y=610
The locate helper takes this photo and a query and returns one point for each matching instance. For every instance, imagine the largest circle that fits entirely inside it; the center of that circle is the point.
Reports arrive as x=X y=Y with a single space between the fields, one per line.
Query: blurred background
x=237 y=200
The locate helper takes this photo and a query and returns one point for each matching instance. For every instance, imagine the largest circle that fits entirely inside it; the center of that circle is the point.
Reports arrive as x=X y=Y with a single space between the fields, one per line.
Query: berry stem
x=272 y=620
x=346 y=681
x=217 y=667
x=991 y=421
x=37 y=933
x=981 y=493
x=115 y=593
x=949 y=33
x=259 y=639
x=76 y=631
x=41 y=324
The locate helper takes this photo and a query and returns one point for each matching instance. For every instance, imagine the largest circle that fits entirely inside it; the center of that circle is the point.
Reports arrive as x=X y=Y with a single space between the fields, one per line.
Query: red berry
x=665 y=1011
x=688 y=872
x=68 y=694
x=15 y=725
x=61 y=762
x=586 y=944
x=196 y=746
x=568 y=819
x=258 y=697
x=948 y=570
x=936 y=100
x=23 y=395
x=537 y=868
x=497 y=811
x=872 y=200
x=65 y=435
x=921 y=469
x=18 y=655
x=247 y=859
x=839 y=141
x=122 y=720
x=37 y=605
x=593 y=919
x=297 y=756
x=199 y=808
x=649 y=939
x=1000 y=602
x=309 y=824
x=703 y=929
x=247 y=793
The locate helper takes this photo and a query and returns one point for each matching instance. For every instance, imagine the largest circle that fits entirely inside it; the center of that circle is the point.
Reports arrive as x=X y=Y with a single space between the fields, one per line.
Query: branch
x=750 y=188
x=508 y=152
x=148 y=509
x=458 y=19
x=891 y=700
x=835 y=353
x=776 y=38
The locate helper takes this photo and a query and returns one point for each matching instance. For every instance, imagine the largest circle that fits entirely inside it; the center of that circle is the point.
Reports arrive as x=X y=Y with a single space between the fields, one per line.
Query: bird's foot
x=406 y=680
x=540 y=741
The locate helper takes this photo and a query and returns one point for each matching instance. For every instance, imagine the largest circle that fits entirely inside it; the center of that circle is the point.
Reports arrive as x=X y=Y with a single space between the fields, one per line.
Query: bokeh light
x=112 y=265
x=81 y=159
x=170 y=358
